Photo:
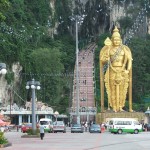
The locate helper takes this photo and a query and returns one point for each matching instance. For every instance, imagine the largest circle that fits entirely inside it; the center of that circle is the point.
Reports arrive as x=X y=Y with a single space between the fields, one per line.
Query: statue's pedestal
x=105 y=116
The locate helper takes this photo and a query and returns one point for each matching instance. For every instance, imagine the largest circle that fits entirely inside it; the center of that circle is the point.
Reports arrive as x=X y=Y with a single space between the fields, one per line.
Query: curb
x=30 y=136
x=5 y=145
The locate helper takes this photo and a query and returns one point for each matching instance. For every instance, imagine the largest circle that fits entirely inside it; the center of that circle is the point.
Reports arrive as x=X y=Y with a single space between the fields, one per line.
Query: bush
x=31 y=132
x=3 y=140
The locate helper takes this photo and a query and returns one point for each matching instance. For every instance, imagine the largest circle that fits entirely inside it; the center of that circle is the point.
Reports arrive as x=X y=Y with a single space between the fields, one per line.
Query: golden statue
x=116 y=73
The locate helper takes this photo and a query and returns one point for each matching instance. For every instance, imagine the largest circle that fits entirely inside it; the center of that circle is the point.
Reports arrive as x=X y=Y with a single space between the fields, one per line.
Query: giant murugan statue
x=116 y=73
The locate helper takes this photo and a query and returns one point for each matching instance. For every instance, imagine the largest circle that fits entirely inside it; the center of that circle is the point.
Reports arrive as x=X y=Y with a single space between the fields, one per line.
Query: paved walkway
x=19 y=143
x=51 y=141
x=80 y=141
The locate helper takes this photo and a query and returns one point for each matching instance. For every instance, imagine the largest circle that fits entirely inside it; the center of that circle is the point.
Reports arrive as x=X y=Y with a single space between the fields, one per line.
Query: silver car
x=59 y=126
x=77 y=128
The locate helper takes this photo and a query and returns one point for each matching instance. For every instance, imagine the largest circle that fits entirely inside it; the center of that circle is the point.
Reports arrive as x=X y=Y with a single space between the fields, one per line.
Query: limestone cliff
x=105 y=14
x=102 y=15
x=7 y=91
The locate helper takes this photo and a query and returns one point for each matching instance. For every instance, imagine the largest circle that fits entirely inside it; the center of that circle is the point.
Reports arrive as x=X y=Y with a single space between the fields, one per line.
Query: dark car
x=95 y=128
x=77 y=128
x=59 y=126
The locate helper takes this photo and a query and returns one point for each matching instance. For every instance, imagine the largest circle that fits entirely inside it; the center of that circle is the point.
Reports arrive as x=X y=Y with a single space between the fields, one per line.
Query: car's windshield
x=59 y=123
x=76 y=125
x=44 y=122
x=136 y=123
x=95 y=126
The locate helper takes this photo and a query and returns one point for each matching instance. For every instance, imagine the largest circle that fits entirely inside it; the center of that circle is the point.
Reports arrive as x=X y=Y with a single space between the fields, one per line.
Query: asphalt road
x=80 y=141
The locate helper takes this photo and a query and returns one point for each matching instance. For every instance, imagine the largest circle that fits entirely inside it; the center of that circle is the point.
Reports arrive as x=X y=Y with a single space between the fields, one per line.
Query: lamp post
x=3 y=71
x=33 y=85
x=78 y=20
x=3 y=68
x=77 y=72
x=147 y=113
x=56 y=115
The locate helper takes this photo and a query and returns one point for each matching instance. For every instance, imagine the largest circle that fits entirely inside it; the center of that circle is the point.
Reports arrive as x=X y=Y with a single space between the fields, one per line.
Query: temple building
x=19 y=115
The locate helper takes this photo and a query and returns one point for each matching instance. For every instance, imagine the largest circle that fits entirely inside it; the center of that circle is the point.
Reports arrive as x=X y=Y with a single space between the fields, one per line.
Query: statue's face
x=116 y=41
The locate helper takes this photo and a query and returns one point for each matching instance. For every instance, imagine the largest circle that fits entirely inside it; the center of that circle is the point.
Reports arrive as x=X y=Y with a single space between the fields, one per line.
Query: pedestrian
x=17 y=128
x=86 y=126
x=41 y=131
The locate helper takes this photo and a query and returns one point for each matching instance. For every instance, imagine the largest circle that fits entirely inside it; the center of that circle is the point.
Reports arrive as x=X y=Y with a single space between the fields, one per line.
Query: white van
x=120 y=125
x=48 y=124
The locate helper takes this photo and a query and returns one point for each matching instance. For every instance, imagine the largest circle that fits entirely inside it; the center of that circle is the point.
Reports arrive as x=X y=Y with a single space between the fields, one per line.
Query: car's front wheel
x=119 y=131
x=136 y=131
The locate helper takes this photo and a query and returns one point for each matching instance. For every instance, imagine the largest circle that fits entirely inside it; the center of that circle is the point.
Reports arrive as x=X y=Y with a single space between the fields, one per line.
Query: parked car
x=77 y=128
x=25 y=127
x=95 y=128
x=59 y=126
x=127 y=125
x=48 y=124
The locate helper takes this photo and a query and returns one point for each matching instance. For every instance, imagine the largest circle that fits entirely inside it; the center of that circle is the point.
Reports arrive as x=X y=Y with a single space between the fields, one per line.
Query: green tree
x=141 y=72
x=4 y=5
x=48 y=61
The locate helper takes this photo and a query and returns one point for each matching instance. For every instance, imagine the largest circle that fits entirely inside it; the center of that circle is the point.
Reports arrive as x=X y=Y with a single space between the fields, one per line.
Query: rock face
x=7 y=90
x=52 y=31
x=148 y=25
x=102 y=16
x=116 y=12
x=84 y=1
x=107 y=13
x=3 y=89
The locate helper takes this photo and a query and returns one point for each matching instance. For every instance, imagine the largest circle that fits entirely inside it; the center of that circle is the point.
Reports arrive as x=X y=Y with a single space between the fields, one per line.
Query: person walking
x=86 y=126
x=41 y=131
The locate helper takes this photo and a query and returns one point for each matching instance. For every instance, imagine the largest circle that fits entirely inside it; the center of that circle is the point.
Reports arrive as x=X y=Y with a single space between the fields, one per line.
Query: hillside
x=37 y=40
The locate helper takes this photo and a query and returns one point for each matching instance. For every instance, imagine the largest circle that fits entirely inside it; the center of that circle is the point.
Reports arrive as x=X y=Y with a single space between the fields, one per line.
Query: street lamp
x=78 y=20
x=147 y=113
x=3 y=68
x=33 y=85
x=56 y=115
x=3 y=71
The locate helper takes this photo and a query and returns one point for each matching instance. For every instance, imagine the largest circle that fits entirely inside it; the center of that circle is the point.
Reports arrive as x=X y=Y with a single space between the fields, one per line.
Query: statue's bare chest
x=116 y=51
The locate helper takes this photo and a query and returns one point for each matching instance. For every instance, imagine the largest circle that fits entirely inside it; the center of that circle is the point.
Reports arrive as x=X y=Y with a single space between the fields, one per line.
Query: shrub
x=3 y=140
x=31 y=132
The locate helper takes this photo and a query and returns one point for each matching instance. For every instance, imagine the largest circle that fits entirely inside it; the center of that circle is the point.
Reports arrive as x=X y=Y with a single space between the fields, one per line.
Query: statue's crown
x=116 y=33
